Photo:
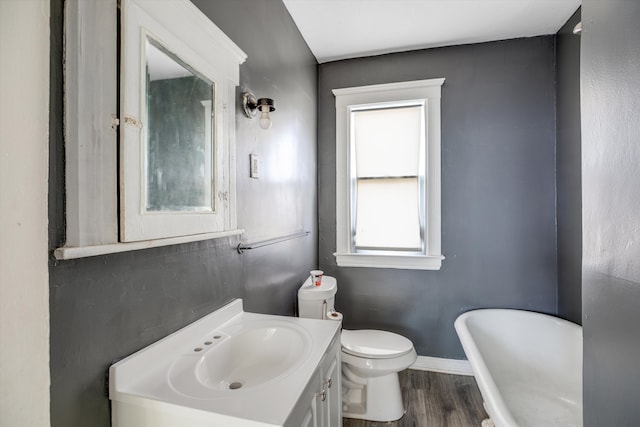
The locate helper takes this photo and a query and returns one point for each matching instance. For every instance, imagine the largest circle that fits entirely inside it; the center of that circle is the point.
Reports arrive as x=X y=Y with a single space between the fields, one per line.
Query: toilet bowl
x=371 y=359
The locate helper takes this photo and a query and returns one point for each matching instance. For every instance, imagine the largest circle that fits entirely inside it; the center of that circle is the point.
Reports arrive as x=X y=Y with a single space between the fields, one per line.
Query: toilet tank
x=315 y=301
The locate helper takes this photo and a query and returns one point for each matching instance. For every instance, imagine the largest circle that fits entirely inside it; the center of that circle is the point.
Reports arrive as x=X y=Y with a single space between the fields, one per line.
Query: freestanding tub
x=528 y=366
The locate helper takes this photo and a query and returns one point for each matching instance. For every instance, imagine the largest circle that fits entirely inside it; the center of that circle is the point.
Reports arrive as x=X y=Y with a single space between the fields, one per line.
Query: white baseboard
x=445 y=366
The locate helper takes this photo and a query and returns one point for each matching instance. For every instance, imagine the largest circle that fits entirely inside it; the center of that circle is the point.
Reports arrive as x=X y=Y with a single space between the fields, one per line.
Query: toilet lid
x=374 y=344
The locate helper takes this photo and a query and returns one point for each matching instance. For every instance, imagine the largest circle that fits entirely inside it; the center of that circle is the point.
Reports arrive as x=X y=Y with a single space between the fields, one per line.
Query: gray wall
x=104 y=308
x=610 y=91
x=568 y=170
x=498 y=190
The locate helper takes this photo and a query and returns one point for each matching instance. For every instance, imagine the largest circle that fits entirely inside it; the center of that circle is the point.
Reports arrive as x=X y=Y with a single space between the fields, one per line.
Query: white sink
x=239 y=358
x=230 y=368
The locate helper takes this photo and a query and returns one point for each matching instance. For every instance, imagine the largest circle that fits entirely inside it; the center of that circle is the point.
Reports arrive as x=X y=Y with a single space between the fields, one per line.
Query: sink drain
x=235 y=386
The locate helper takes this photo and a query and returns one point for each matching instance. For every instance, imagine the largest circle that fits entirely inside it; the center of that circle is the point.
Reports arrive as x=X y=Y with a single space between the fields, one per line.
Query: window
x=388 y=175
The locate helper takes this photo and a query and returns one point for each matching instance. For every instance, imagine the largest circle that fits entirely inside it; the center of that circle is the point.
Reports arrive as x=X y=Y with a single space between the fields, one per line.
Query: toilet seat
x=374 y=344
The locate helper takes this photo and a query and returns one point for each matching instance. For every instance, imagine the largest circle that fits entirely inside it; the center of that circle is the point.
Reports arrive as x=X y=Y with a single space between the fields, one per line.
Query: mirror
x=180 y=103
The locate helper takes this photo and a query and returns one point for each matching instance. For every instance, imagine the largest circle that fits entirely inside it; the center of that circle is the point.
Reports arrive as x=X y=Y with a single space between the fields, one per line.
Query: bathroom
x=515 y=200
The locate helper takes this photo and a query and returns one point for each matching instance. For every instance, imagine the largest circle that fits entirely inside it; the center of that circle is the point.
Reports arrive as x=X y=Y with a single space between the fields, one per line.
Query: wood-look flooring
x=434 y=400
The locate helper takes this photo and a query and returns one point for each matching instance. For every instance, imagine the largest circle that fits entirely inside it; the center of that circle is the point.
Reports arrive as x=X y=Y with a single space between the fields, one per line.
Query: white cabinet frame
x=91 y=124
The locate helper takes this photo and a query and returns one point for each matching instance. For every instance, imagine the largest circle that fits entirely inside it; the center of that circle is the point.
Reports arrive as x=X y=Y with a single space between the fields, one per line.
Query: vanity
x=233 y=368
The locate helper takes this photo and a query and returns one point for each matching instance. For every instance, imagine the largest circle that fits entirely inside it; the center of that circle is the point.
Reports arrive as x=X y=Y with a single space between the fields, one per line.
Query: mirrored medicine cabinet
x=173 y=177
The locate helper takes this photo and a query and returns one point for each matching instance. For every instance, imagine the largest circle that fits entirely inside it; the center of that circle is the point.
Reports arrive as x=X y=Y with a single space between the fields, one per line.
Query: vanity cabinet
x=320 y=403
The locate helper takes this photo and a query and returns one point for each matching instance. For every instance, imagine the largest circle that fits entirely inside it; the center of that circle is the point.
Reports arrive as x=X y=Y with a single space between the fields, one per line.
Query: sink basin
x=252 y=357
x=240 y=357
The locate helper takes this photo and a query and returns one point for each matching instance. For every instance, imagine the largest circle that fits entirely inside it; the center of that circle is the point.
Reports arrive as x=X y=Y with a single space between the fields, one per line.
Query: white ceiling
x=340 y=29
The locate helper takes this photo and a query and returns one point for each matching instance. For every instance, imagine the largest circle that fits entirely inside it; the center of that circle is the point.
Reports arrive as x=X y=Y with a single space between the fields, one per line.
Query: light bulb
x=265 y=119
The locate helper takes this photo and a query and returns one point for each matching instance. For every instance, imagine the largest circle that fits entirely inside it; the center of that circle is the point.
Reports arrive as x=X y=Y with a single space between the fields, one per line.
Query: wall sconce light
x=251 y=107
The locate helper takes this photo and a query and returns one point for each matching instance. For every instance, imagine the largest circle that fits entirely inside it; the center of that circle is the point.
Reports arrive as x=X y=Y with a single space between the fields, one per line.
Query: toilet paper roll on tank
x=333 y=315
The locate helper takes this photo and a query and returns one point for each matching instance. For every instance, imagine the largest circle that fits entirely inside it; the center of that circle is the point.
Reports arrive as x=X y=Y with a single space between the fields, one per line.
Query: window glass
x=388 y=143
x=387 y=215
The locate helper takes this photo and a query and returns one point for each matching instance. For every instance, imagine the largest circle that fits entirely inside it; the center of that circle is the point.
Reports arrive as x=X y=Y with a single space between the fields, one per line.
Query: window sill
x=65 y=253
x=405 y=262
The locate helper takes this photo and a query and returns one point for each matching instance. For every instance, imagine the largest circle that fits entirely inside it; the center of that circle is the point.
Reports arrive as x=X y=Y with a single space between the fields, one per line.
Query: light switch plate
x=253 y=166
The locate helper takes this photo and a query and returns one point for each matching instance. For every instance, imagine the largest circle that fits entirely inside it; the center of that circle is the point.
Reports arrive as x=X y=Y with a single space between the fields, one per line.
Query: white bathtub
x=528 y=366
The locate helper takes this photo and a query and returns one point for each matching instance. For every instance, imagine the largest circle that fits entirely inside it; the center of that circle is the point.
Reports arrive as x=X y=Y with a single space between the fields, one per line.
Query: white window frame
x=349 y=99
x=91 y=123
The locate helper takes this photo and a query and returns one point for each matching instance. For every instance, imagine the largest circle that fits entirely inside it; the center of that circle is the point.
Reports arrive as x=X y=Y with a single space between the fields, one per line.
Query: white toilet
x=371 y=359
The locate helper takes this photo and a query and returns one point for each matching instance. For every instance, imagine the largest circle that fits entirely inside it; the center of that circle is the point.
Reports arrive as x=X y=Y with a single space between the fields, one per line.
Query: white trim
x=87 y=251
x=185 y=13
x=445 y=366
x=415 y=84
x=411 y=262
